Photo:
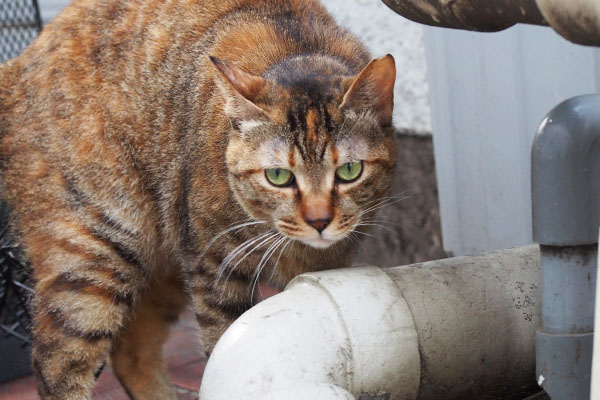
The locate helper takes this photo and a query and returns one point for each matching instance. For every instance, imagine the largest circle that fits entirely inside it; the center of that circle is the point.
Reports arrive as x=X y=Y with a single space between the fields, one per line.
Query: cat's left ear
x=240 y=90
x=373 y=90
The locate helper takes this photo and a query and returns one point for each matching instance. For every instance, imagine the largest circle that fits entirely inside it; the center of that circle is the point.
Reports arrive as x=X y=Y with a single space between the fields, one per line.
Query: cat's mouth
x=310 y=237
x=318 y=243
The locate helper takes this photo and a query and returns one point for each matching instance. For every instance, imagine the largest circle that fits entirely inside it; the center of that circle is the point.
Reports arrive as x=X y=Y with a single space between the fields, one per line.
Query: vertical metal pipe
x=595 y=392
x=566 y=217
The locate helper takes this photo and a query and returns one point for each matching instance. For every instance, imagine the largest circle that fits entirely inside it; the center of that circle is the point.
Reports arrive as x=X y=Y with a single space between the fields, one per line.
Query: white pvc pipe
x=332 y=335
x=476 y=319
x=449 y=329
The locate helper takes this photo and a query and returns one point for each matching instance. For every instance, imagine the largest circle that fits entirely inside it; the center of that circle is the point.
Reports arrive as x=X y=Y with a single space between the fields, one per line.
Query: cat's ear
x=372 y=90
x=240 y=90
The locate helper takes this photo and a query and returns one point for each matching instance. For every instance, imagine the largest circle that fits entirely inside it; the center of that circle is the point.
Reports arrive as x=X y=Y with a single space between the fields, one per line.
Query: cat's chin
x=318 y=243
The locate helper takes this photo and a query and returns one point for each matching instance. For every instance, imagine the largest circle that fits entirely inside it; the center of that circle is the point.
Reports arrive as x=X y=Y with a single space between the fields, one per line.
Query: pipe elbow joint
x=329 y=335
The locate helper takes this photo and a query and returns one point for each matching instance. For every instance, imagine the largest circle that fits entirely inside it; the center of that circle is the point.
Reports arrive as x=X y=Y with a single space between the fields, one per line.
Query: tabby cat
x=157 y=151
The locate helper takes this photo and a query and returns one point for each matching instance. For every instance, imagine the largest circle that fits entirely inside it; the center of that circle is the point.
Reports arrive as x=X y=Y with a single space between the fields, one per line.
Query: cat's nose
x=319 y=224
x=317 y=211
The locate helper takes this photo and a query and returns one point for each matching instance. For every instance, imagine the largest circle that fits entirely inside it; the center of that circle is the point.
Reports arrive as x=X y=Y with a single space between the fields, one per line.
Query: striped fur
x=134 y=165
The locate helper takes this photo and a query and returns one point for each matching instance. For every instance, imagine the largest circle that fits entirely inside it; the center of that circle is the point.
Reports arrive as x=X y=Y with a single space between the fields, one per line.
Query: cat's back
x=107 y=92
x=122 y=65
x=130 y=51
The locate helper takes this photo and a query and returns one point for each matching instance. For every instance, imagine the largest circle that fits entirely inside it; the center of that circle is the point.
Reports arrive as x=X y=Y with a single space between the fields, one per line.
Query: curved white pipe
x=333 y=335
x=352 y=333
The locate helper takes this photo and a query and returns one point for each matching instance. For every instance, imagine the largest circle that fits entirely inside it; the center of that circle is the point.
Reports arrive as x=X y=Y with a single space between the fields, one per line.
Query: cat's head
x=311 y=147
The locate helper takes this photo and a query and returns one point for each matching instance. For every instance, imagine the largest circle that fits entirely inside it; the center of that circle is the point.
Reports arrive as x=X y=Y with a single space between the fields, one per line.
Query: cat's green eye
x=349 y=172
x=279 y=176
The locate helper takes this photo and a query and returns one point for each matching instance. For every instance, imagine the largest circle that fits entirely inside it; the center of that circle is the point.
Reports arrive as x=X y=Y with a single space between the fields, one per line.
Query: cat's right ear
x=373 y=90
x=240 y=90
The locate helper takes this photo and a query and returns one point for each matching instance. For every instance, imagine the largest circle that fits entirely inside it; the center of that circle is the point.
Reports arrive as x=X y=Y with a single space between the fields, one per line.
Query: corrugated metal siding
x=488 y=93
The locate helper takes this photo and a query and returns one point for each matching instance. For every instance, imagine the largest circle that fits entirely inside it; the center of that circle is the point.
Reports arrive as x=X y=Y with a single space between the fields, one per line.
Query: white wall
x=50 y=8
x=384 y=32
x=489 y=92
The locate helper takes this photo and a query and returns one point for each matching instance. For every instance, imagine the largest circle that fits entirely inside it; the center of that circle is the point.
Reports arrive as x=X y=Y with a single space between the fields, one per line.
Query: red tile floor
x=183 y=357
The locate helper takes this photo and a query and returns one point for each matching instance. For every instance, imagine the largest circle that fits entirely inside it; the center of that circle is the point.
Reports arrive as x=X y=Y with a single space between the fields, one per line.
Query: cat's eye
x=349 y=172
x=279 y=176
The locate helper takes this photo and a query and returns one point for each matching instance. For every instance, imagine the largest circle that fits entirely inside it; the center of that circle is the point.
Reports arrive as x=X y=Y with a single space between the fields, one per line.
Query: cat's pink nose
x=319 y=224
x=317 y=211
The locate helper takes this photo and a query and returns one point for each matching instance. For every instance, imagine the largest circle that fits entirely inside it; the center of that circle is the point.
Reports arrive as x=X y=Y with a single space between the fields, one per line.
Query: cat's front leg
x=219 y=299
x=84 y=292
x=136 y=355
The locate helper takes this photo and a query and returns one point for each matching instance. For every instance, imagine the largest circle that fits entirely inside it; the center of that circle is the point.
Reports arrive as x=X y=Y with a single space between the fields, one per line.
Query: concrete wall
x=384 y=32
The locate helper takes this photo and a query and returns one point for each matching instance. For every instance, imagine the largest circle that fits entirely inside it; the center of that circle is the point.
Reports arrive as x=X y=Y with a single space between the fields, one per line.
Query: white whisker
x=236 y=251
x=355 y=239
x=278 y=258
x=383 y=222
x=367 y=234
x=382 y=204
x=263 y=242
x=226 y=231
x=263 y=262
x=271 y=236
x=241 y=247
x=401 y=195
x=385 y=198
x=381 y=226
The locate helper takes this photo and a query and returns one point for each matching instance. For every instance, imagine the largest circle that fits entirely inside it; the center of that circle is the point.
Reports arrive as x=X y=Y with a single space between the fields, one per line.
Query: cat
x=159 y=152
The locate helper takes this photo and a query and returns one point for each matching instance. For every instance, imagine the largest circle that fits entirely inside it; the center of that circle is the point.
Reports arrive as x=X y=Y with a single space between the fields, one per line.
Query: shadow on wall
x=411 y=229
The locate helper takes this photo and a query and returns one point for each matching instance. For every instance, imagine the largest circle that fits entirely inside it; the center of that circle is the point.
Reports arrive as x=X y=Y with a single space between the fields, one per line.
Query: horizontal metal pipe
x=577 y=21
x=475 y=15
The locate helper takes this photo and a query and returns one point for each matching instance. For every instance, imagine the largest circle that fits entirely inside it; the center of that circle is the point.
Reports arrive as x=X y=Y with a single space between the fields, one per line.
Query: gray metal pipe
x=577 y=21
x=565 y=173
x=566 y=217
x=476 y=15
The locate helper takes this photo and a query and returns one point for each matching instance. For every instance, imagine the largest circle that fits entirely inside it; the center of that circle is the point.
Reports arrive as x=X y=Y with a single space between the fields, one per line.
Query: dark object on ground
x=15 y=321
x=411 y=230
x=20 y=23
